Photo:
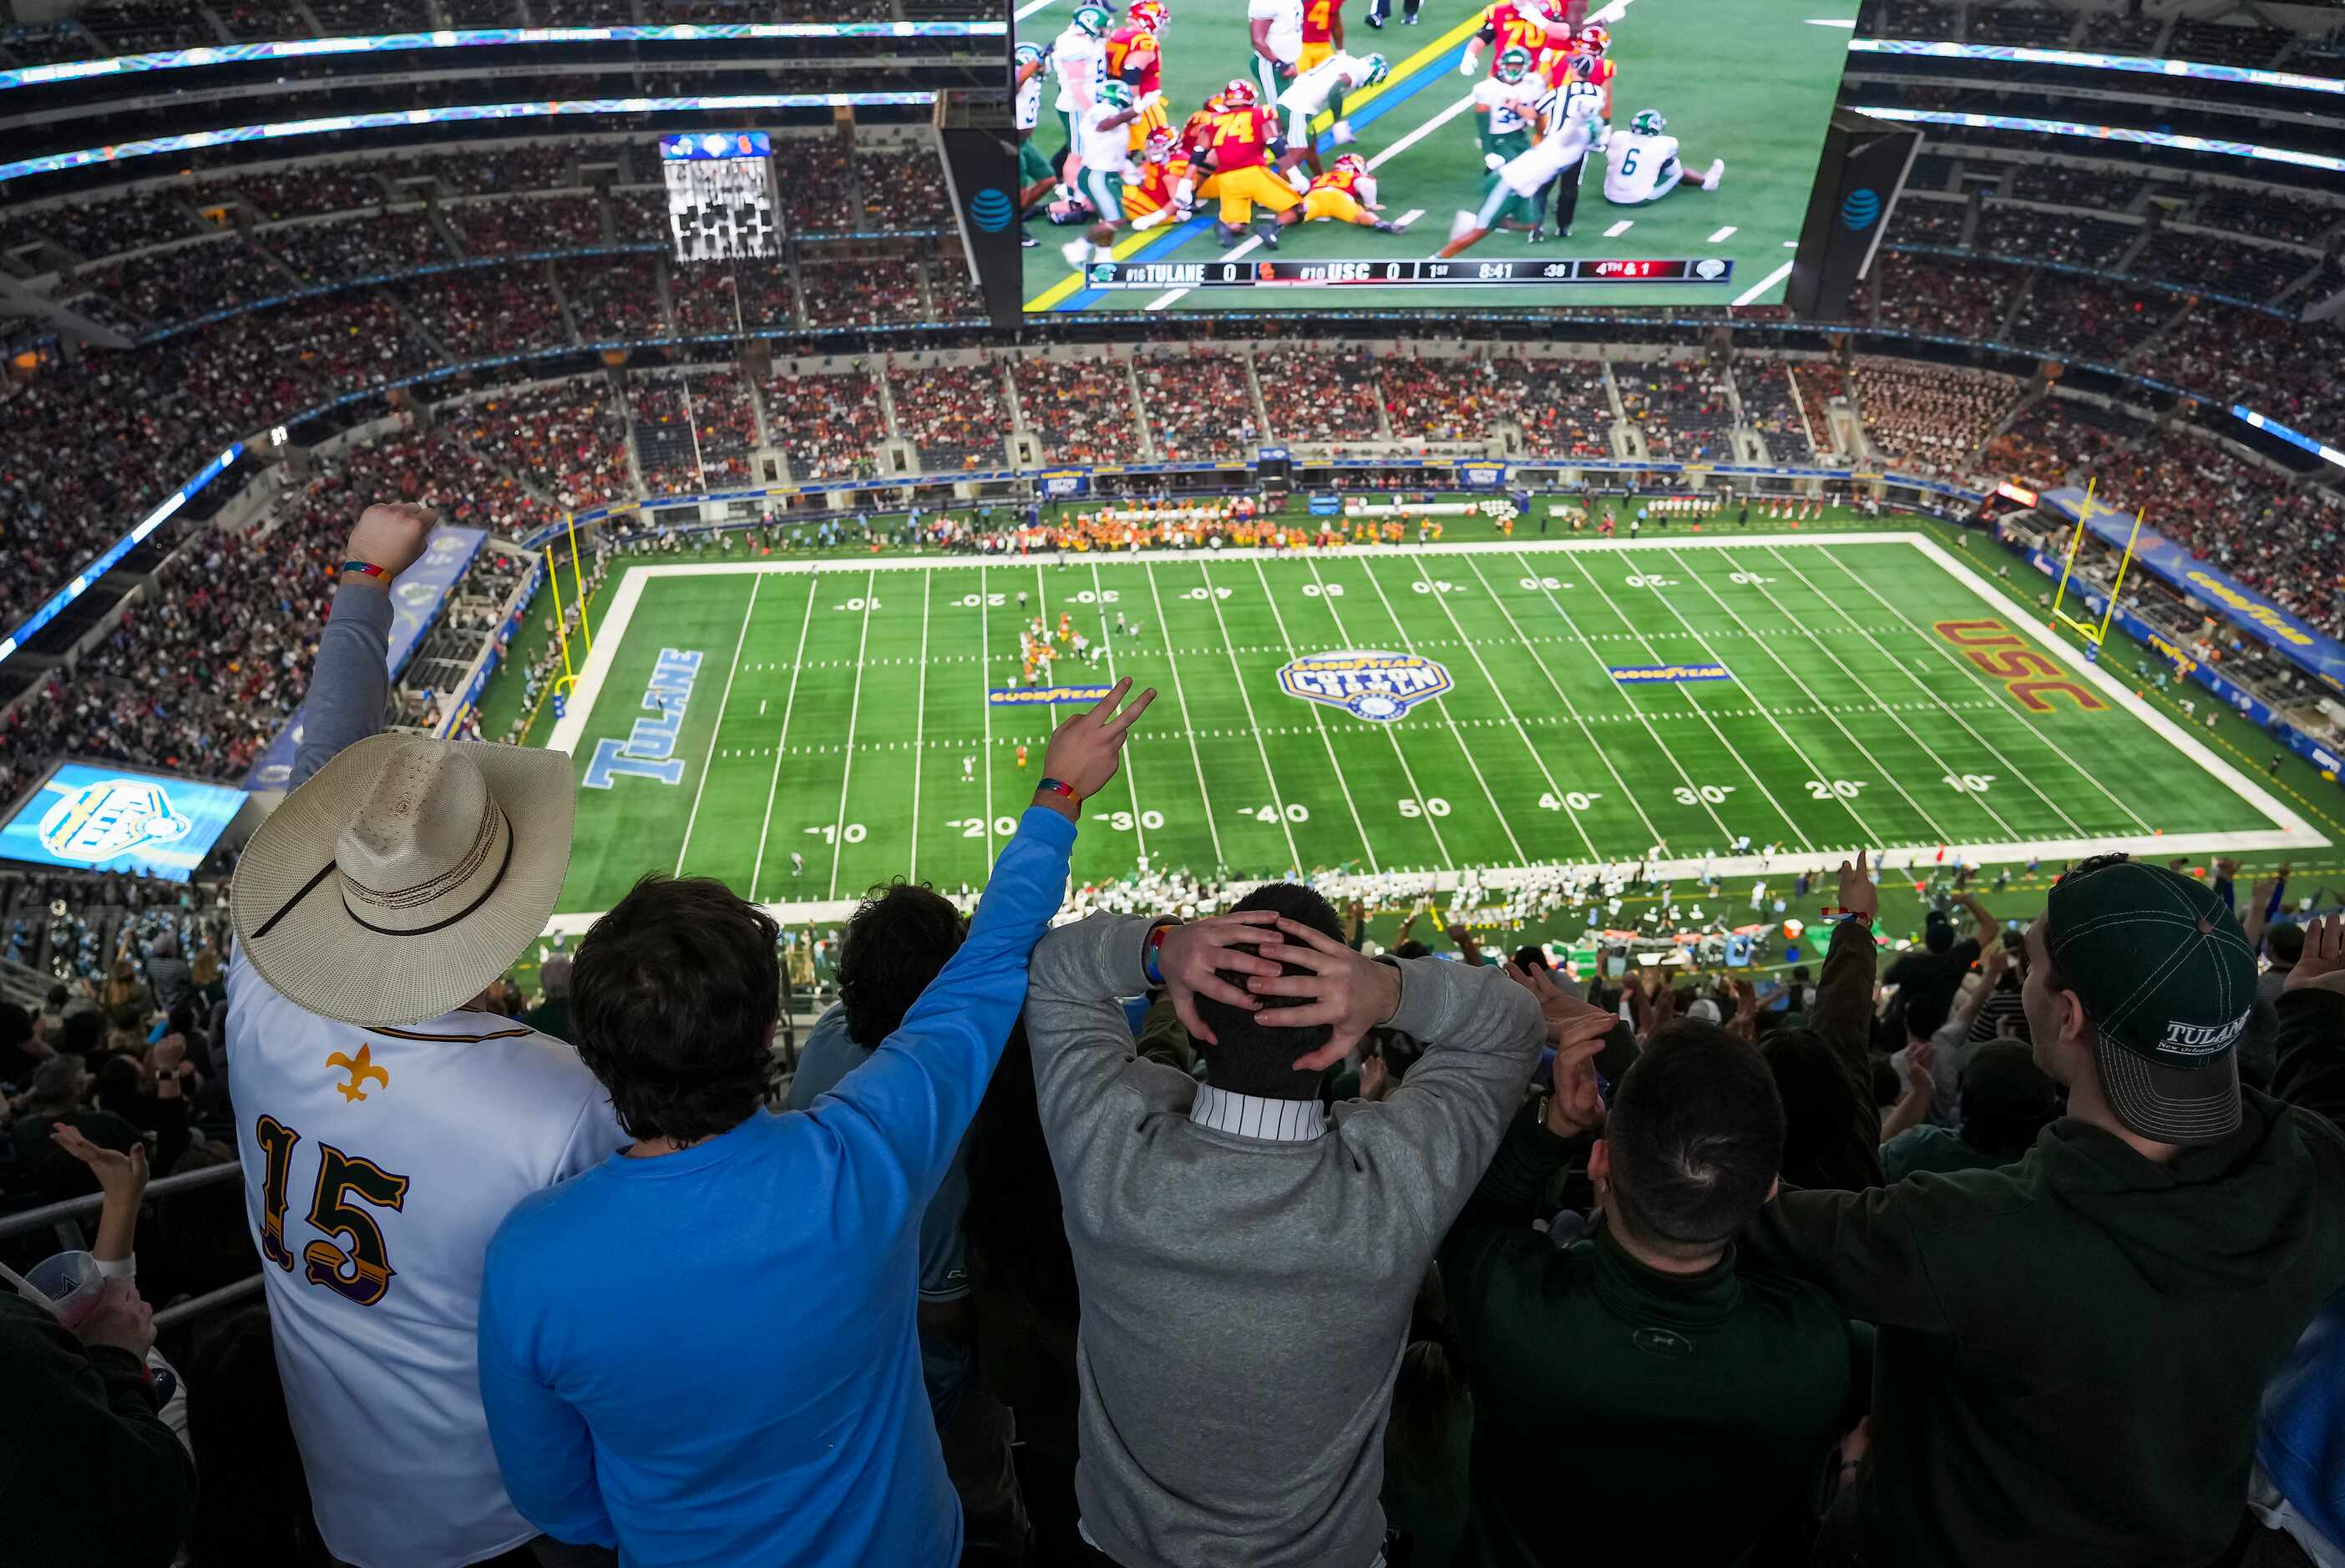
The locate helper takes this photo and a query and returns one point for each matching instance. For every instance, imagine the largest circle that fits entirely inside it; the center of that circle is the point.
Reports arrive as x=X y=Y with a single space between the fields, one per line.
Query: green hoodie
x=2072 y=1348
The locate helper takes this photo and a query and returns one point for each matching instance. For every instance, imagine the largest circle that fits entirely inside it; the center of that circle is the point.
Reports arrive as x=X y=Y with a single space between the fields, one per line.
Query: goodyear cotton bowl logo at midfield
x=1367 y=685
x=114 y=816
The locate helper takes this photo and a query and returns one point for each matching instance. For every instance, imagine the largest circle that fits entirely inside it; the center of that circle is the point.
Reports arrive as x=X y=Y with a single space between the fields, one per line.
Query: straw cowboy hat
x=404 y=876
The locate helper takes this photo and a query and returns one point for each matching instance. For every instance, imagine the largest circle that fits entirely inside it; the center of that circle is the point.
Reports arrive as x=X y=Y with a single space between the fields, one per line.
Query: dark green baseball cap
x=2169 y=980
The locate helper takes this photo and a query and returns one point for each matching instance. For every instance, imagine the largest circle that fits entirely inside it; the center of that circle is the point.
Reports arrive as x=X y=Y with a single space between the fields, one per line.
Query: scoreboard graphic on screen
x=720 y=195
x=1465 y=274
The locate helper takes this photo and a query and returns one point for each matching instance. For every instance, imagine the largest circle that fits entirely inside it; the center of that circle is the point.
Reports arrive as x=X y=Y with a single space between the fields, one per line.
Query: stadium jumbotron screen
x=1326 y=154
x=88 y=818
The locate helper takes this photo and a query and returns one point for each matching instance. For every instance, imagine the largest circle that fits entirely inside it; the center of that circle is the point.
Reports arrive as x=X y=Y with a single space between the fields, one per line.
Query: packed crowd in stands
x=2016 y=228
x=485 y=225
x=954 y=414
x=1562 y=405
x=334 y=250
x=1199 y=406
x=1320 y=394
x=814 y=180
x=1764 y=388
x=902 y=188
x=862 y=293
x=307 y=189
x=1684 y=410
x=613 y=299
x=491 y=311
x=1079 y=409
x=569 y=438
x=827 y=423
x=1439 y=400
x=953 y=292
x=165 y=286
x=1958 y=1270
x=1928 y=420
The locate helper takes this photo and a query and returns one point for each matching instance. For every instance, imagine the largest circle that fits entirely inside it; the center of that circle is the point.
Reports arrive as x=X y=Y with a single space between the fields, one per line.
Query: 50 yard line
x=1319 y=719
x=1408 y=774
x=854 y=708
x=717 y=728
x=782 y=742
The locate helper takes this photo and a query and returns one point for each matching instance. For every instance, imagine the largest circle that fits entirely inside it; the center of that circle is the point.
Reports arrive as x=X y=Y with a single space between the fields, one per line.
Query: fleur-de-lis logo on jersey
x=360 y=1069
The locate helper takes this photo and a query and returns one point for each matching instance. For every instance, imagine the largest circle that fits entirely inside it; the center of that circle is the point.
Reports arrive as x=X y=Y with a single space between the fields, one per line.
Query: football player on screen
x=1518 y=184
x=1106 y=157
x=1275 y=30
x=1509 y=24
x=1506 y=111
x=1323 y=32
x=1035 y=175
x=1244 y=140
x=1641 y=164
x=1347 y=193
x=1322 y=87
x=1153 y=196
x=1078 y=60
x=1136 y=59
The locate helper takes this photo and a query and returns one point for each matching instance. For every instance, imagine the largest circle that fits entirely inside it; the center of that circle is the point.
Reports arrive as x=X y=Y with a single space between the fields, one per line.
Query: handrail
x=73 y=1208
x=179 y=1312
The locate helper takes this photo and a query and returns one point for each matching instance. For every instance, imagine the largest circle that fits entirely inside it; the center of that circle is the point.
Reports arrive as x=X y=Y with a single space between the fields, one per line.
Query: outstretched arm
x=351 y=681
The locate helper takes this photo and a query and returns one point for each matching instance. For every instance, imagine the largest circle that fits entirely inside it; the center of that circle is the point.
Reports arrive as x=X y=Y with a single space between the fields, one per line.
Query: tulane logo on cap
x=989 y=210
x=1365 y=682
x=114 y=816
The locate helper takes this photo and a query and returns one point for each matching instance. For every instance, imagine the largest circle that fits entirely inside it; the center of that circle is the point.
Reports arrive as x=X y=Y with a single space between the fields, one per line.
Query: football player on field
x=1106 y=158
x=1643 y=163
x=1323 y=32
x=1153 y=196
x=1135 y=59
x=1522 y=24
x=1506 y=112
x=1585 y=60
x=1245 y=138
x=1347 y=193
x=1275 y=30
x=1323 y=87
x=1078 y=58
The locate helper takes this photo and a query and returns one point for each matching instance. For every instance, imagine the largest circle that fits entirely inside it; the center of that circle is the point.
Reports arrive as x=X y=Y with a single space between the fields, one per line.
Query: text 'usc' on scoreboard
x=1400 y=274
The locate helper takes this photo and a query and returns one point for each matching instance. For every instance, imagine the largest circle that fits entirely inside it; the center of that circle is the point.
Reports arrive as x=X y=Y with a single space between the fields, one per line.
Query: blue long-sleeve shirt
x=710 y=1356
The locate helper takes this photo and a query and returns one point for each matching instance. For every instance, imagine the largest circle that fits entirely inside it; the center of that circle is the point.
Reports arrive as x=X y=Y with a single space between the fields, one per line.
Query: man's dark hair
x=1531 y=956
x=1938 y=933
x=1800 y=975
x=2285 y=944
x=1927 y=1014
x=892 y=947
x=81 y=1033
x=1696 y=1136
x=1821 y=1105
x=15 y=1025
x=1248 y=1055
x=673 y=995
x=1412 y=950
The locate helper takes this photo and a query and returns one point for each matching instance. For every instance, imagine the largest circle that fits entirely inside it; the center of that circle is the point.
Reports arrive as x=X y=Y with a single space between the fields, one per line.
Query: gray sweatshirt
x=1246 y=1300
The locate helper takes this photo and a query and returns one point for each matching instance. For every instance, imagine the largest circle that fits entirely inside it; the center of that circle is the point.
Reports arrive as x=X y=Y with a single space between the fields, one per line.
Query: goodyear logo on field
x=1637 y=674
x=1023 y=696
x=1367 y=685
x=114 y=816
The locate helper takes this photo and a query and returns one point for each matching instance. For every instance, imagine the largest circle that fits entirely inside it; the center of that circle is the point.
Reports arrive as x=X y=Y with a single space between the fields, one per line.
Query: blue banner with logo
x=1058 y=483
x=1481 y=476
x=415 y=601
x=99 y=817
x=1326 y=505
x=2321 y=654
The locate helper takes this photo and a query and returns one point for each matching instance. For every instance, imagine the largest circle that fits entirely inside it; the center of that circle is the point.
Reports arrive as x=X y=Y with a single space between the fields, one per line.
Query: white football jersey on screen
x=1285 y=17
x=377 y=1164
x=1309 y=92
x=1507 y=102
x=1635 y=164
x=1079 y=61
x=1030 y=101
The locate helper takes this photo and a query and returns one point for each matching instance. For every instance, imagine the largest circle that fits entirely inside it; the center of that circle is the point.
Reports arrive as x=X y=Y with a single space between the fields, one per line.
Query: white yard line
x=1619 y=228
x=1721 y=236
x=1570 y=711
x=920 y=734
x=1392 y=732
x=1730 y=749
x=1750 y=295
x=985 y=701
x=1131 y=774
x=1521 y=733
x=1181 y=697
x=1253 y=725
x=1888 y=776
x=853 y=710
x=717 y=728
x=1032 y=6
x=781 y=742
x=2011 y=770
x=1408 y=645
x=1318 y=718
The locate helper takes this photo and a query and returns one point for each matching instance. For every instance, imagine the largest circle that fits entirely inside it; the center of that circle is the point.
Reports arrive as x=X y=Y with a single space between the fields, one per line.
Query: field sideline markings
x=1131 y=774
x=1318 y=718
x=920 y=731
x=717 y=728
x=1731 y=750
x=1538 y=761
x=1448 y=718
x=782 y=741
x=985 y=701
x=1979 y=677
x=1180 y=696
x=1237 y=678
x=1392 y=732
x=1750 y=295
x=853 y=710
x=1626 y=793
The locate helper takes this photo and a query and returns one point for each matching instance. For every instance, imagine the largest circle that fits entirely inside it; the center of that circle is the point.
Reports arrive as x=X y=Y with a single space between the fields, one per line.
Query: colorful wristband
x=1151 y=953
x=364 y=569
x=1056 y=786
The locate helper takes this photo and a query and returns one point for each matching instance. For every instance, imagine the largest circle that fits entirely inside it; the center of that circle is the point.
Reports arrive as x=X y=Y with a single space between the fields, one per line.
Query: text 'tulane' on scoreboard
x=1400 y=274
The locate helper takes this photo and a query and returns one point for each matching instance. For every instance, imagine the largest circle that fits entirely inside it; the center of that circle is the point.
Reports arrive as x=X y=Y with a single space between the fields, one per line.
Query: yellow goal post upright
x=568 y=679
x=2088 y=632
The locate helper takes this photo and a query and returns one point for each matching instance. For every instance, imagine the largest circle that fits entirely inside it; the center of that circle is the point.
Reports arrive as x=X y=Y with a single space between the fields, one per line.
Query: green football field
x=1858 y=690
x=1749 y=81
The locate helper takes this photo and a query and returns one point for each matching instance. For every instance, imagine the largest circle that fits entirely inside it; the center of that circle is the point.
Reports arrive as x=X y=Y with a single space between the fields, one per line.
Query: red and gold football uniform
x=1133 y=57
x=1154 y=187
x=1335 y=194
x=1515 y=29
x=1320 y=18
x=1241 y=144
